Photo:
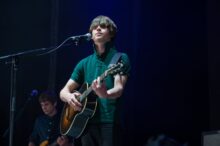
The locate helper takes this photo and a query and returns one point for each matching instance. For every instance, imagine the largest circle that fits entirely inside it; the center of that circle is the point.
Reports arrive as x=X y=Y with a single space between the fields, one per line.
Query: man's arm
x=68 y=95
x=31 y=144
x=113 y=93
x=64 y=141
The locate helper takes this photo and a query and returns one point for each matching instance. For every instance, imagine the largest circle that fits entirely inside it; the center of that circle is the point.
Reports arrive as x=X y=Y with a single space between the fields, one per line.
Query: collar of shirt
x=108 y=47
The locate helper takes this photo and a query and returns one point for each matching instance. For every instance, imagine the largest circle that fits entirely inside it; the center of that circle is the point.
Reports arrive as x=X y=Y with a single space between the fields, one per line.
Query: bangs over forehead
x=47 y=96
x=100 y=20
x=103 y=21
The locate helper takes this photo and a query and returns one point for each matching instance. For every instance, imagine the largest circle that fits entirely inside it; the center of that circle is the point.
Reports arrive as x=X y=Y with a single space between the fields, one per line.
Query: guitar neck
x=85 y=94
x=89 y=90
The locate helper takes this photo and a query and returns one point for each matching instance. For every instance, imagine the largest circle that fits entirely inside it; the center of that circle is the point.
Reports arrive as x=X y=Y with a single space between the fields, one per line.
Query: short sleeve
x=126 y=64
x=78 y=73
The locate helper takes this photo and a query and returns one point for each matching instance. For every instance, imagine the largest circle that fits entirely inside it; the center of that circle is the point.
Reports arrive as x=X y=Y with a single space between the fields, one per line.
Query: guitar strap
x=115 y=59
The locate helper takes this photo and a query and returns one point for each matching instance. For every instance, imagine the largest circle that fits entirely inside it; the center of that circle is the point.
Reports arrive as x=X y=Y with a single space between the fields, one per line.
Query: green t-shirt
x=89 y=69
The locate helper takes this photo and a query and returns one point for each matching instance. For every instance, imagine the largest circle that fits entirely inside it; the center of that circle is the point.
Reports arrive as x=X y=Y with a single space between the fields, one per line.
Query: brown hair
x=47 y=96
x=104 y=21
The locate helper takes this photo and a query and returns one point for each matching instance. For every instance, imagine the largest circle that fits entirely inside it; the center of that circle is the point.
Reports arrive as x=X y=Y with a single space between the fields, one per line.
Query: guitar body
x=74 y=122
x=46 y=143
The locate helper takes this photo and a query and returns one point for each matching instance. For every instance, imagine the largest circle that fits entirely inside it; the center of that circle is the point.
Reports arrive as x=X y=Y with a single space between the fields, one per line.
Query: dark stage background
x=173 y=47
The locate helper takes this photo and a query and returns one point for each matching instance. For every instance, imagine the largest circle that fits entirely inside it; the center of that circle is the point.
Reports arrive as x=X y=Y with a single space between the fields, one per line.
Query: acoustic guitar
x=73 y=122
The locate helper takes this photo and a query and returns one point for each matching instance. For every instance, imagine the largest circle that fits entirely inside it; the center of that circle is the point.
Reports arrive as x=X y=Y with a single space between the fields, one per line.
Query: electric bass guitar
x=73 y=122
x=46 y=143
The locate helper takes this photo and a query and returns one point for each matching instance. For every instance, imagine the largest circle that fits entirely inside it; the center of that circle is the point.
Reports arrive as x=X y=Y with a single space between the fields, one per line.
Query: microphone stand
x=19 y=114
x=14 y=61
x=14 y=67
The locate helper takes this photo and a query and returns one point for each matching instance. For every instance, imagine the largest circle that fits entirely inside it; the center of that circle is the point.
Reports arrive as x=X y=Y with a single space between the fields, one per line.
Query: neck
x=100 y=48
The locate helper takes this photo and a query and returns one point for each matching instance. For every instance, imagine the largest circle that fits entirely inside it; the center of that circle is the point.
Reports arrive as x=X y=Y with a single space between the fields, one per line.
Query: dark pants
x=101 y=135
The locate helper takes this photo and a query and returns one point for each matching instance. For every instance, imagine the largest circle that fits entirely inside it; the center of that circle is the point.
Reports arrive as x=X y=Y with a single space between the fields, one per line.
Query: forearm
x=118 y=88
x=31 y=144
x=64 y=94
x=114 y=92
x=68 y=89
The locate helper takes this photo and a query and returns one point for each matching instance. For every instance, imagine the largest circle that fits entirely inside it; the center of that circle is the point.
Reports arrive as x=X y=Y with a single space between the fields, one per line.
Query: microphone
x=34 y=92
x=86 y=36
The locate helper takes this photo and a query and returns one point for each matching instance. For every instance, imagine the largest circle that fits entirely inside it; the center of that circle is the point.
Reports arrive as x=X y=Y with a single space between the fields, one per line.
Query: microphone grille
x=88 y=36
x=34 y=92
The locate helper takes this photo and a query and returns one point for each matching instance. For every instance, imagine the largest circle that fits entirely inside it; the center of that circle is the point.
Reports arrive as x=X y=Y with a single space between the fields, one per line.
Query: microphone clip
x=81 y=38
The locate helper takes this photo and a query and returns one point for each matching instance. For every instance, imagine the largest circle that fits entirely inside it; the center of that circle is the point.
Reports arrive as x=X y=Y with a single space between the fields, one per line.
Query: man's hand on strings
x=99 y=88
x=73 y=102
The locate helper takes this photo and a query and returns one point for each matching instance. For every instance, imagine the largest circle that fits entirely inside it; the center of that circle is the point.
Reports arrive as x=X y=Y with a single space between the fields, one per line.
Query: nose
x=98 y=28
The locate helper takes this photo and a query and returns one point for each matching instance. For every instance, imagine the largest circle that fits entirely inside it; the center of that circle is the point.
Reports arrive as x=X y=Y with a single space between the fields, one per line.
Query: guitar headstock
x=114 y=69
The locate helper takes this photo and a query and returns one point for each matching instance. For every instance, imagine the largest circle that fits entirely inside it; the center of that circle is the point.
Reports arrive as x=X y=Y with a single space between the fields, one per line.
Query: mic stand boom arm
x=14 y=67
